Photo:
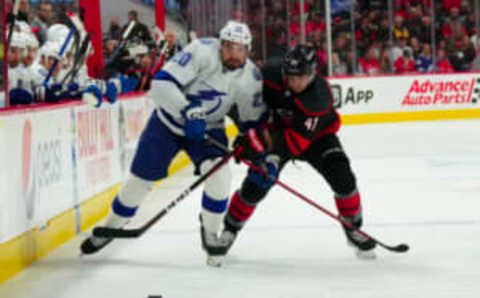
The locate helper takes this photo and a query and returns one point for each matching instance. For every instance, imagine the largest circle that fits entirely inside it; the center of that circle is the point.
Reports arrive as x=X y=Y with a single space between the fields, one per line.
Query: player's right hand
x=195 y=124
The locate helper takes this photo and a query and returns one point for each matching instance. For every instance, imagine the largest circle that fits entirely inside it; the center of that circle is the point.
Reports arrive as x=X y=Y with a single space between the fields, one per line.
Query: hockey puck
x=154 y=296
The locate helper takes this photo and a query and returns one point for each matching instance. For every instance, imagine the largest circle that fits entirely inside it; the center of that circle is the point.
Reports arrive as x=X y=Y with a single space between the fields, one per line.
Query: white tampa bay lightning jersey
x=200 y=75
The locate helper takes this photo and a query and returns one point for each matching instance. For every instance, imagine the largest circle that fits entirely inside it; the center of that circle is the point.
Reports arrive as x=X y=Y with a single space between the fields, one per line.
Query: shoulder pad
x=316 y=100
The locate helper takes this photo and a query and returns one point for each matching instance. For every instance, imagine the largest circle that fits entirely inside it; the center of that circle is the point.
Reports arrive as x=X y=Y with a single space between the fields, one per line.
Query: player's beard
x=232 y=64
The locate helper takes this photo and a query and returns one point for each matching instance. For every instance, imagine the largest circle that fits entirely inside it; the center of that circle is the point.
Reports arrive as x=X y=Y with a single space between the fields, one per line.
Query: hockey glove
x=269 y=164
x=93 y=96
x=195 y=124
x=251 y=144
x=48 y=93
x=20 y=96
x=111 y=92
x=73 y=90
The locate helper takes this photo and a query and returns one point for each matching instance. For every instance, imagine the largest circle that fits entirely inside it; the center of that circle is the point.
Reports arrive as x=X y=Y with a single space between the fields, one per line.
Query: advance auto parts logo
x=40 y=168
x=426 y=92
x=350 y=96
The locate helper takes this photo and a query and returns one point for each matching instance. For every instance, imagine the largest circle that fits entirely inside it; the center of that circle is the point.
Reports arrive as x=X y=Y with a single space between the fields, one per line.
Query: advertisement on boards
x=38 y=182
x=97 y=149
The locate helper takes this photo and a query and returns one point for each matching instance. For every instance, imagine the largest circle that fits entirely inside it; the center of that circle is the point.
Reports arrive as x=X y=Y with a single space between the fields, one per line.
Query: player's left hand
x=195 y=124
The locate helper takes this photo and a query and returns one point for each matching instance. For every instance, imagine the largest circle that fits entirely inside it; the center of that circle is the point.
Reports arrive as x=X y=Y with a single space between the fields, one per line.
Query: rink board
x=103 y=141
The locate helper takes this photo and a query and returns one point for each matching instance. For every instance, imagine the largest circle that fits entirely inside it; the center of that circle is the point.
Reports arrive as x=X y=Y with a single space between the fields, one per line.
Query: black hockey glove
x=251 y=144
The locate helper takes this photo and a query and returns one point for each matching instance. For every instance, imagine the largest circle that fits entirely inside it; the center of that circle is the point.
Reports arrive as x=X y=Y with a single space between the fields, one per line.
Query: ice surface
x=420 y=184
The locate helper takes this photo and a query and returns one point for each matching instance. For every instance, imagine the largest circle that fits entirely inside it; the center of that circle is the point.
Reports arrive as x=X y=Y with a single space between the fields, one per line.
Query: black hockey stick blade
x=116 y=233
x=400 y=248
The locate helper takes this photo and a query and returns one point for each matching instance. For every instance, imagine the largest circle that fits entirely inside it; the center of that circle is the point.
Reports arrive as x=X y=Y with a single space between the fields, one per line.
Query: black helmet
x=300 y=60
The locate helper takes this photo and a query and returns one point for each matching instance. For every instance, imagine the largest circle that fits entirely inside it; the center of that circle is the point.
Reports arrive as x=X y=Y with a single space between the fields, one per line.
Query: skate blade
x=215 y=261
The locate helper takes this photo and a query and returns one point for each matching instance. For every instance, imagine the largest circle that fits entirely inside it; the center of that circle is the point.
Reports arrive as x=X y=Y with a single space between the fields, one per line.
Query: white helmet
x=57 y=33
x=23 y=27
x=50 y=49
x=238 y=32
x=32 y=41
x=19 y=40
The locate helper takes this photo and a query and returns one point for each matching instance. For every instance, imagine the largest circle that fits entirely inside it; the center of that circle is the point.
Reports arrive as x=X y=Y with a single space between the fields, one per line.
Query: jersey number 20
x=182 y=58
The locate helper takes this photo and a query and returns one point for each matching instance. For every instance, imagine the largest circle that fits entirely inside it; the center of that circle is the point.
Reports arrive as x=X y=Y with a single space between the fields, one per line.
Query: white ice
x=420 y=184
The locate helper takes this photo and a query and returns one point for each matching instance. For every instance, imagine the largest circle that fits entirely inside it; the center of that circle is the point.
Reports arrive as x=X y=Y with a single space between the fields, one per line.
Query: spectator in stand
x=383 y=33
x=172 y=45
x=339 y=67
x=277 y=48
x=317 y=23
x=322 y=53
x=405 y=63
x=140 y=30
x=399 y=48
x=400 y=30
x=424 y=62
x=443 y=64
x=385 y=64
x=449 y=4
x=416 y=47
x=109 y=47
x=425 y=35
x=115 y=31
x=366 y=34
x=340 y=46
x=463 y=56
x=43 y=20
x=24 y=11
x=442 y=44
x=415 y=25
x=454 y=27
x=370 y=64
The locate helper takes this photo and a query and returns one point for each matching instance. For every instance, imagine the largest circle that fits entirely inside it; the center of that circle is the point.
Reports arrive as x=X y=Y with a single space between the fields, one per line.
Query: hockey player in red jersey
x=304 y=128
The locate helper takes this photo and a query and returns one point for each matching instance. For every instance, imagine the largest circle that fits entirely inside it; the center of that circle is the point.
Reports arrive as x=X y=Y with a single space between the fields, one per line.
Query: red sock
x=348 y=206
x=240 y=210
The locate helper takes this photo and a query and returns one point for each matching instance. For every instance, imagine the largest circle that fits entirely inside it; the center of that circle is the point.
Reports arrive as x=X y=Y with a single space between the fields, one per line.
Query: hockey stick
x=159 y=37
x=78 y=60
x=118 y=49
x=133 y=233
x=62 y=51
x=397 y=248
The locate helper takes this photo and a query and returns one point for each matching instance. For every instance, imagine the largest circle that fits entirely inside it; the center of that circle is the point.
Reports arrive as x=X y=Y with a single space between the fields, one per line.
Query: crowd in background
x=407 y=48
x=408 y=38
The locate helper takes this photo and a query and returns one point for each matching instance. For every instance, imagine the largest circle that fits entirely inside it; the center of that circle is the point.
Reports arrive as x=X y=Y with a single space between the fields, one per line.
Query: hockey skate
x=215 y=248
x=364 y=247
x=93 y=244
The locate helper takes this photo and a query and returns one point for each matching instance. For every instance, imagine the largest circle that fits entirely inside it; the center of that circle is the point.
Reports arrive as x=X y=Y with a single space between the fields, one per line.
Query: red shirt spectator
x=306 y=8
x=448 y=4
x=404 y=63
x=370 y=64
x=443 y=64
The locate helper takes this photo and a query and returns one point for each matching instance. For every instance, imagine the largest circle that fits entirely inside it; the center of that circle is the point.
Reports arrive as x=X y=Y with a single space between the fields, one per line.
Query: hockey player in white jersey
x=192 y=94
